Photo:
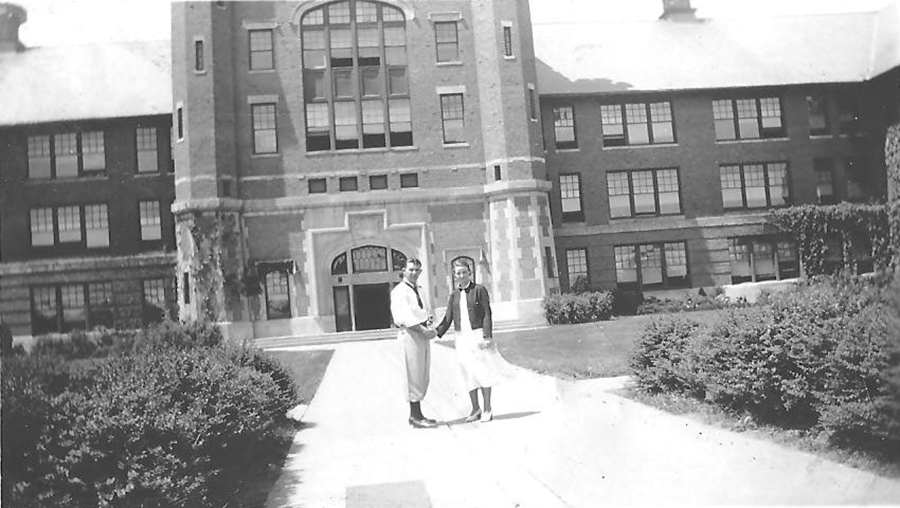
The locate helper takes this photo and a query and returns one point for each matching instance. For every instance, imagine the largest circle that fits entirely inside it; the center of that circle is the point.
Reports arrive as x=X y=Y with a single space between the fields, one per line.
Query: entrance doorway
x=372 y=305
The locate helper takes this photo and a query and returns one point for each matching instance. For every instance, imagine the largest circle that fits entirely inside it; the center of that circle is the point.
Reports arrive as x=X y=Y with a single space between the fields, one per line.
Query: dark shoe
x=421 y=423
x=474 y=417
x=430 y=420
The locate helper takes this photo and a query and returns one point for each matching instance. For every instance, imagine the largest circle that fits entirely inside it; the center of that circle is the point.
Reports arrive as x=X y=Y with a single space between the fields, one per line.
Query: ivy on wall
x=216 y=266
x=811 y=226
x=892 y=163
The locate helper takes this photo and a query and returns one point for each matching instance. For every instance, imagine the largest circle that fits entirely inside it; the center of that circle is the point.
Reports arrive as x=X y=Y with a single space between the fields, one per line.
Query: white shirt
x=405 y=306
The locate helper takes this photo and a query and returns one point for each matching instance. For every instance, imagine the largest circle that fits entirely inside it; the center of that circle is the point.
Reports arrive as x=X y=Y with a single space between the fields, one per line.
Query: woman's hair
x=462 y=263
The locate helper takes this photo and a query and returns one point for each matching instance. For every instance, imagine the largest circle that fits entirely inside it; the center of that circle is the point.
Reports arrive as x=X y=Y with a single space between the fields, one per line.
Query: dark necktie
x=418 y=299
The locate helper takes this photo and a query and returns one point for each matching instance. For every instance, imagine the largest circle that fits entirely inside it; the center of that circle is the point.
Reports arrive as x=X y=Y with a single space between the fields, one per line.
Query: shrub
x=627 y=301
x=660 y=363
x=570 y=308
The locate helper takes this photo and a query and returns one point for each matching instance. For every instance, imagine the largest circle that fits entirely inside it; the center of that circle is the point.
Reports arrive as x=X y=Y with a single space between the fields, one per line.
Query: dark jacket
x=479 y=311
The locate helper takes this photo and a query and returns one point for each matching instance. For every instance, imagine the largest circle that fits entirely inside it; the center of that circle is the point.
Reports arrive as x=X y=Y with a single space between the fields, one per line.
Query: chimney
x=11 y=16
x=678 y=10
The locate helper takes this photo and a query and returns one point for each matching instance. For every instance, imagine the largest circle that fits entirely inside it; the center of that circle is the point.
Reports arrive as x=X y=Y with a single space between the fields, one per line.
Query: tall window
x=848 y=113
x=817 y=109
x=278 y=296
x=147 y=154
x=355 y=82
x=570 y=192
x=652 y=266
x=748 y=118
x=262 y=50
x=761 y=259
x=100 y=305
x=645 y=192
x=96 y=225
x=755 y=185
x=68 y=220
x=577 y=266
x=151 y=222
x=637 y=124
x=42 y=229
x=855 y=187
x=453 y=118
x=824 y=168
x=179 y=122
x=39 y=157
x=446 y=41
x=564 y=127
x=265 y=130
x=507 y=41
x=74 y=310
x=44 y=310
x=533 y=103
x=153 y=308
x=198 y=56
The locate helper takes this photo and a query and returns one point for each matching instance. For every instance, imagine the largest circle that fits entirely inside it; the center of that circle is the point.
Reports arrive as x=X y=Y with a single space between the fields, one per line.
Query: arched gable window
x=355 y=82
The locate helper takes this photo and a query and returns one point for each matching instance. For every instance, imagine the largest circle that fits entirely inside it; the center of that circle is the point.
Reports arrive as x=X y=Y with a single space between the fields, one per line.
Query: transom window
x=761 y=259
x=652 y=266
x=355 y=80
x=570 y=193
x=645 y=192
x=748 y=118
x=368 y=259
x=637 y=124
x=755 y=185
x=564 y=127
x=66 y=155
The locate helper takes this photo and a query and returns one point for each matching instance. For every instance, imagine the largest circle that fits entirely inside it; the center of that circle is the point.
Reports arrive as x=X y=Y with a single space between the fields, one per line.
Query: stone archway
x=361 y=280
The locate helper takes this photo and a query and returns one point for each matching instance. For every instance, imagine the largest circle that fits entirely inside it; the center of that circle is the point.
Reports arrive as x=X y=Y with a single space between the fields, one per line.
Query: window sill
x=148 y=174
x=513 y=57
x=265 y=155
x=631 y=147
x=456 y=145
x=820 y=136
x=568 y=150
x=454 y=63
x=751 y=140
x=638 y=218
x=261 y=71
x=199 y=73
x=362 y=151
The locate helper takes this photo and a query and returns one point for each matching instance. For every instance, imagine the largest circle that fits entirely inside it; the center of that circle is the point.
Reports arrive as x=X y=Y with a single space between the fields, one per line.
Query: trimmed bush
x=571 y=308
x=660 y=363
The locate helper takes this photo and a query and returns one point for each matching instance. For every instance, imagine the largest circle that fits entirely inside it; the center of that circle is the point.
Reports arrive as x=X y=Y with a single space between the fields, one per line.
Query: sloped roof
x=655 y=55
x=90 y=81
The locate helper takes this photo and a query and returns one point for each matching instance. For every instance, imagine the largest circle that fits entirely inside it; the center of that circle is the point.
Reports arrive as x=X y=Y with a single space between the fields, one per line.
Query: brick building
x=668 y=140
x=86 y=232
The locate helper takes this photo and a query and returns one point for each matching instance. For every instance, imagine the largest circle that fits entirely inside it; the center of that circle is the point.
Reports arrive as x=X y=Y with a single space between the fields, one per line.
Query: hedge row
x=171 y=426
x=572 y=308
x=825 y=358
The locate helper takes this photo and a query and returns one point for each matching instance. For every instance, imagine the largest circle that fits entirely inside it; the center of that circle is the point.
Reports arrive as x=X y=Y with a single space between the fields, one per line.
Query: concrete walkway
x=551 y=444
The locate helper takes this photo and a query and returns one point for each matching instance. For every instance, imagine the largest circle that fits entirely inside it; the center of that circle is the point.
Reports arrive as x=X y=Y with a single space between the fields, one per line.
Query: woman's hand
x=486 y=343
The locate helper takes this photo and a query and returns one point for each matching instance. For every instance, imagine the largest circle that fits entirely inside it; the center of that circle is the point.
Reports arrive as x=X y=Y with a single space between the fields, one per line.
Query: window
x=66 y=155
x=498 y=172
x=507 y=41
x=453 y=118
x=378 y=182
x=100 y=305
x=262 y=52
x=577 y=266
x=761 y=259
x=348 y=184
x=356 y=89
x=855 y=187
x=408 y=180
x=68 y=219
x=645 y=192
x=748 y=118
x=549 y=263
x=652 y=266
x=265 y=130
x=153 y=304
x=637 y=124
x=42 y=227
x=318 y=186
x=848 y=113
x=198 y=56
x=186 y=286
x=817 y=108
x=179 y=121
x=824 y=180
x=96 y=224
x=570 y=192
x=564 y=127
x=147 y=155
x=277 y=292
x=39 y=158
x=533 y=104
x=446 y=41
x=74 y=310
x=44 y=310
x=755 y=185
x=151 y=222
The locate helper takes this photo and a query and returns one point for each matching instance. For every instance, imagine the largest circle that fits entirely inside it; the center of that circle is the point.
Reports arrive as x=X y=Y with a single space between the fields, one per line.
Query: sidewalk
x=551 y=444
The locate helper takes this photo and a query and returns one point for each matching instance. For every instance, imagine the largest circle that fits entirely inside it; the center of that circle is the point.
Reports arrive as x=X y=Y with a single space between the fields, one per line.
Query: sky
x=69 y=22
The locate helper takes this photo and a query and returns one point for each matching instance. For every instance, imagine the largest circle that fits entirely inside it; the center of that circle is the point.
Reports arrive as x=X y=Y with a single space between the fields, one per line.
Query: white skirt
x=481 y=368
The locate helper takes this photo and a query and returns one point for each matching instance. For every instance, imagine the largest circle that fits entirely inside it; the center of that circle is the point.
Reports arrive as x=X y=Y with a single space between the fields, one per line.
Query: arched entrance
x=361 y=281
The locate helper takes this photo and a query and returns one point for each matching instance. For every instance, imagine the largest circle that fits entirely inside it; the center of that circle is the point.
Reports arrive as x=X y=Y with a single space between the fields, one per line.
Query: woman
x=476 y=352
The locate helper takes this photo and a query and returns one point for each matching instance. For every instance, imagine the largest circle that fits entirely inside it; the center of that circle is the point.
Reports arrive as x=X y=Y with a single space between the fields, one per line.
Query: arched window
x=355 y=81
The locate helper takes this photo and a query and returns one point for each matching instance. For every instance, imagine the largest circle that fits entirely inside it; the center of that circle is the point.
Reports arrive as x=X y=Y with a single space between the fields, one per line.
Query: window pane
x=41 y=227
x=739 y=252
x=151 y=223
x=96 y=222
x=626 y=264
x=619 y=195
x=147 y=151
x=446 y=42
x=644 y=197
x=636 y=118
x=345 y=125
x=44 y=317
x=261 y=50
x=93 y=151
x=748 y=119
x=570 y=192
x=371 y=81
x=564 y=127
x=100 y=305
x=369 y=259
x=66 y=151
x=74 y=311
x=343 y=83
x=348 y=184
x=732 y=195
x=69 y=219
x=676 y=260
x=755 y=185
x=764 y=261
x=265 y=138
x=154 y=302
x=452 y=117
x=576 y=261
x=817 y=108
x=339 y=12
x=651 y=265
x=408 y=180
x=771 y=117
x=661 y=118
x=391 y=14
x=378 y=182
x=779 y=191
x=38 y=157
x=397 y=82
x=366 y=12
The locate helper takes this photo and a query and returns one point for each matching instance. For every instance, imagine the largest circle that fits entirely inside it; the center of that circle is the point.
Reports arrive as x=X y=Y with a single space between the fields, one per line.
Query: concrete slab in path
x=551 y=444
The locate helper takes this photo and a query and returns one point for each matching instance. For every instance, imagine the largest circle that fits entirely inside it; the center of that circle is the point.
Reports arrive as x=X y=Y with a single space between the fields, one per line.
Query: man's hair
x=414 y=261
x=462 y=263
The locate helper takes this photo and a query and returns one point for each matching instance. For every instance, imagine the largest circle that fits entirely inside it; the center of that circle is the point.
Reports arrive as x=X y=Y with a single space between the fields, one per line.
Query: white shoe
x=487 y=416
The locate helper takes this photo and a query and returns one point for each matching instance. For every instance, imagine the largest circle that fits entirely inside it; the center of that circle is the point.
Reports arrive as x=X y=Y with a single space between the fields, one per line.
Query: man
x=413 y=319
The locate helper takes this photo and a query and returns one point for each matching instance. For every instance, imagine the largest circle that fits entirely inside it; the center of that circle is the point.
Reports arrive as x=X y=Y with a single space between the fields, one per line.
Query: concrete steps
x=366 y=335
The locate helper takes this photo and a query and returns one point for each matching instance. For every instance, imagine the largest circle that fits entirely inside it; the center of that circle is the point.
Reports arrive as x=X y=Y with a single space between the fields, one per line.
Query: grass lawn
x=308 y=369
x=589 y=350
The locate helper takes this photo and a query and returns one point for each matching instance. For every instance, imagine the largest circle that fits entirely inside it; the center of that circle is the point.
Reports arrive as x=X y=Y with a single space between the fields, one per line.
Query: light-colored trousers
x=417 y=358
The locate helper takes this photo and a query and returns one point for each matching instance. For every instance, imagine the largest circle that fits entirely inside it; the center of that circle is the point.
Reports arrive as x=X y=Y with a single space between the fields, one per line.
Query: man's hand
x=430 y=333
